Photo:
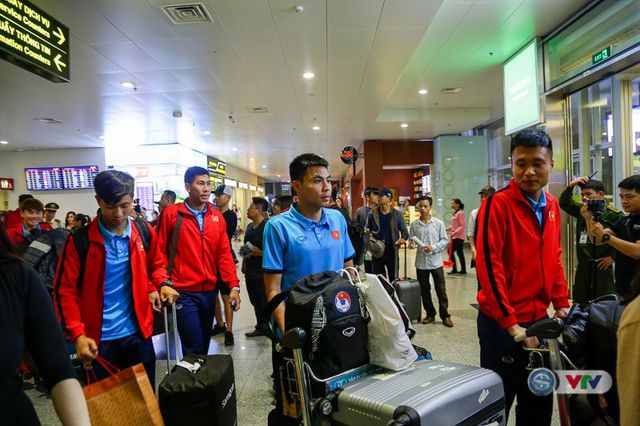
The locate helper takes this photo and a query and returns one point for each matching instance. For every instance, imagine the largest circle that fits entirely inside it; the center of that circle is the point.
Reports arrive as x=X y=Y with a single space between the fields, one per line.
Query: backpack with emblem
x=332 y=312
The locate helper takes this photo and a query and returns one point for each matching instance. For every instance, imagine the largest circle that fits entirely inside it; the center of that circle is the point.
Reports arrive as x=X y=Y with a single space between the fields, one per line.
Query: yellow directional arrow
x=60 y=35
x=59 y=63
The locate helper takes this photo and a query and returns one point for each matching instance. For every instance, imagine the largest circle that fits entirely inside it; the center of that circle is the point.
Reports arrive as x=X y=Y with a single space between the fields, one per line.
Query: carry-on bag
x=125 y=397
x=408 y=291
x=431 y=393
x=199 y=390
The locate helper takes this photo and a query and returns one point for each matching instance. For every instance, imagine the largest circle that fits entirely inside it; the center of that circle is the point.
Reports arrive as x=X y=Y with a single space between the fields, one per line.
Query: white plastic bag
x=389 y=345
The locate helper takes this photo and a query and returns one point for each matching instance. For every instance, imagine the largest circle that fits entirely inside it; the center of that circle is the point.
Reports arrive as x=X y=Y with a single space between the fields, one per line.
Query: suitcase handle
x=166 y=333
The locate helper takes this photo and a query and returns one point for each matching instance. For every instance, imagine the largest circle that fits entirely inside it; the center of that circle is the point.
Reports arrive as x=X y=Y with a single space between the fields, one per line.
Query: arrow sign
x=59 y=63
x=58 y=33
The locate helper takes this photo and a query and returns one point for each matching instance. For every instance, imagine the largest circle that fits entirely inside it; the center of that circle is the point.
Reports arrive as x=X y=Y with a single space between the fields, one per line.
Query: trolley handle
x=548 y=328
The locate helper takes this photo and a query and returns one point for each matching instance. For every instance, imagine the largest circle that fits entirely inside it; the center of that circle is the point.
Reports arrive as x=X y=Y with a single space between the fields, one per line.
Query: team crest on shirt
x=343 y=301
x=335 y=235
x=215 y=219
x=552 y=215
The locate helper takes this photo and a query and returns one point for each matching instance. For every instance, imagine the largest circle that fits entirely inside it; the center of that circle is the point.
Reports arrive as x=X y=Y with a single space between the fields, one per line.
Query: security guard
x=585 y=288
x=50 y=210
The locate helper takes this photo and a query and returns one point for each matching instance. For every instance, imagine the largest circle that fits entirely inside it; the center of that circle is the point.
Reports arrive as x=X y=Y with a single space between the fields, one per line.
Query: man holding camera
x=594 y=274
x=623 y=236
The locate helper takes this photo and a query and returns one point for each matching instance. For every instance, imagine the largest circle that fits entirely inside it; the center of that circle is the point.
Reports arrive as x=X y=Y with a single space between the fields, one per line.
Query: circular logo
x=541 y=382
x=349 y=155
x=343 y=301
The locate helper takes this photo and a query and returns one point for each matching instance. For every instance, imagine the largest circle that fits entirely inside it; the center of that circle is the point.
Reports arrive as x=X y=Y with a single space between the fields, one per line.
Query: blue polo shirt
x=118 y=314
x=198 y=214
x=296 y=246
x=538 y=206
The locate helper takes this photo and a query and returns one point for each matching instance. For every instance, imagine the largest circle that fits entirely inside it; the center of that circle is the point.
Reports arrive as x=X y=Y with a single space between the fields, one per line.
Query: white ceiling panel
x=369 y=58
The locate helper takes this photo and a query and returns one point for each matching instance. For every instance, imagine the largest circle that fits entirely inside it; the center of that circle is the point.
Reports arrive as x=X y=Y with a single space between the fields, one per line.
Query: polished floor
x=252 y=356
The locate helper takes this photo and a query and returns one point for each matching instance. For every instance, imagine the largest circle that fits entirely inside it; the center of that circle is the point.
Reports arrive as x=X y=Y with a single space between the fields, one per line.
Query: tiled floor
x=252 y=356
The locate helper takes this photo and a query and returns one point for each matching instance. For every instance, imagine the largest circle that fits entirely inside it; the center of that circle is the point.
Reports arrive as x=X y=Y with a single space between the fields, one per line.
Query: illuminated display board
x=522 y=82
x=60 y=178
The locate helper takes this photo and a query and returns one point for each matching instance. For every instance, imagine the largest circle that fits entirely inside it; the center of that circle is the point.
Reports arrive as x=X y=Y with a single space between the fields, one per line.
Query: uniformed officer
x=587 y=285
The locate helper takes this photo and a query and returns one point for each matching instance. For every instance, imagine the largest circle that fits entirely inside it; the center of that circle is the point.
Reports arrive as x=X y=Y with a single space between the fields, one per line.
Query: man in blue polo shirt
x=306 y=239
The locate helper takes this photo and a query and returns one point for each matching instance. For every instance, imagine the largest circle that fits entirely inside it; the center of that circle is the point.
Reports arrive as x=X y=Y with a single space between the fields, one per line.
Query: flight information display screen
x=60 y=178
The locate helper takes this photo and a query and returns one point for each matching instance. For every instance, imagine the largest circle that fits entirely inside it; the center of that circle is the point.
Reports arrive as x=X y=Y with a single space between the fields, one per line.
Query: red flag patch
x=215 y=219
x=335 y=235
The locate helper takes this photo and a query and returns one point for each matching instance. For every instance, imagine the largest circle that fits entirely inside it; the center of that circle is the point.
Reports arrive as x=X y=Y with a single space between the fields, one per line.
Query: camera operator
x=623 y=236
x=594 y=274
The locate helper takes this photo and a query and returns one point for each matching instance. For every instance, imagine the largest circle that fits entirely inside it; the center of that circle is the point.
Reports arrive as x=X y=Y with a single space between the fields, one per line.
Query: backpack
x=81 y=241
x=332 y=312
x=358 y=240
x=43 y=254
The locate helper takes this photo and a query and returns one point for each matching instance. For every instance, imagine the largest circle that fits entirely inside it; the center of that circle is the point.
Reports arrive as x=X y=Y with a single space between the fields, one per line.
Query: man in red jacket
x=193 y=237
x=107 y=284
x=13 y=217
x=30 y=226
x=520 y=272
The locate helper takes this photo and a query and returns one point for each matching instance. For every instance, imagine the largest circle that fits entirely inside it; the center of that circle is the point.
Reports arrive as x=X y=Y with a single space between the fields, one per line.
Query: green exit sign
x=601 y=56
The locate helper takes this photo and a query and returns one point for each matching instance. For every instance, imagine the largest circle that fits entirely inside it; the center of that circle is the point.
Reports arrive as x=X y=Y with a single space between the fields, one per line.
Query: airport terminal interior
x=417 y=96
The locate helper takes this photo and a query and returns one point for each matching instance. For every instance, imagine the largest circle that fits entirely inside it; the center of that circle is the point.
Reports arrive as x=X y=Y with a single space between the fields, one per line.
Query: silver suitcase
x=428 y=393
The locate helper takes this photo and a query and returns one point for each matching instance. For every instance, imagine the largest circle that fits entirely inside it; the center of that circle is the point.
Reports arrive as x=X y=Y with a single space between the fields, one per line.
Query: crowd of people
x=117 y=269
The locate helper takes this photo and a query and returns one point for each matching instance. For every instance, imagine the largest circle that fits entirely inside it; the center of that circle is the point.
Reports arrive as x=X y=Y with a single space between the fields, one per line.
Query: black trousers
x=441 y=291
x=368 y=266
x=258 y=299
x=387 y=265
x=500 y=353
x=457 y=247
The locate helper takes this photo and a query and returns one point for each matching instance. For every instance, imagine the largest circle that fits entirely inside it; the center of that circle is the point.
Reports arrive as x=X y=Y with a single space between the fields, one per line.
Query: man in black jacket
x=388 y=225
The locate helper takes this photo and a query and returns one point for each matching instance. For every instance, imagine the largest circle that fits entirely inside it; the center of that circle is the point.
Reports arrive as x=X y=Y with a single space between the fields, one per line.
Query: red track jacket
x=199 y=255
x=519 y=267
x=16 y=233
x=79 y=305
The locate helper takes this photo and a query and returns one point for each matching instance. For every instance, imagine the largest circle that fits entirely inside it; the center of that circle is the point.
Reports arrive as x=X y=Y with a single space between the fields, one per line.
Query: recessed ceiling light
x=4 y=143
x=316 y=127
x=279 y=176
x=252 y=159
x=128 y=84
x=235 y=149
x=264 y=166
x=206 y=132
x=423 y=91
x=404 y=125
x=308 y=75
x=101 y=137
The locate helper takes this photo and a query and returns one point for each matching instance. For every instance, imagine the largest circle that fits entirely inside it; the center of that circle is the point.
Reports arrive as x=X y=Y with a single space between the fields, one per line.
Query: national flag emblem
x=335 y=235
x=552 y=215
x=215 y=219
x=343 y=302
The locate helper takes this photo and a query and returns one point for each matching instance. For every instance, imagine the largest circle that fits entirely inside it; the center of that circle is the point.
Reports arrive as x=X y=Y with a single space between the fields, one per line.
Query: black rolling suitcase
x=199 y=390
x=408 y=291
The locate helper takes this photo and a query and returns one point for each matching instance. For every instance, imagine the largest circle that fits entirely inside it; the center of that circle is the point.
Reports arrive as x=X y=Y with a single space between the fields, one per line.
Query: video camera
x=596 y=207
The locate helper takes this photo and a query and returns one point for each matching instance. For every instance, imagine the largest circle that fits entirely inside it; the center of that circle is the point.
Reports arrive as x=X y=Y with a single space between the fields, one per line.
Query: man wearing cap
x=14 y=217
x=485 y=192
x=223 y=195
x=201 y=254
x=387 y=224
x=50 y=210
x=371 y=201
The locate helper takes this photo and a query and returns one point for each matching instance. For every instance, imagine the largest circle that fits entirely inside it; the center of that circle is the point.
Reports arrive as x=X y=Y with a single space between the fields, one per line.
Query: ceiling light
x=279 y=176
x=4 y=143
x=404 y=125
x=423 y=91
x=308 y=75
x=128 y=84
x=264 y=166
x=316 y=127
x=206 y=132
x=235 y=149
x=252 y=159
x=101 y=137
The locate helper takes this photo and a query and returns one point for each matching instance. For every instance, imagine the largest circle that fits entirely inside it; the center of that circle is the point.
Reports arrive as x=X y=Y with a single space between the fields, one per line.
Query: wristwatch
x=606 y=237
x=165 y=283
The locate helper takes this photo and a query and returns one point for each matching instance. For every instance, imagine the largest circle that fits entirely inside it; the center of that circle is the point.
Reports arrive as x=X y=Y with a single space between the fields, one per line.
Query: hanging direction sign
x=34 y=40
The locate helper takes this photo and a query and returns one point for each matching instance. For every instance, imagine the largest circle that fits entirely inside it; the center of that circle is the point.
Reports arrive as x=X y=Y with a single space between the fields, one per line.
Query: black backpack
x=358 y=240
x=332 y=312
x=43 y=254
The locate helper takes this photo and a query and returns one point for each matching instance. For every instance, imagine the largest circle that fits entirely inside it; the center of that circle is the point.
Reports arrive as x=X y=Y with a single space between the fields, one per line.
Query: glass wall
x=592 y=135
x=635 y=123
x=499 y=147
